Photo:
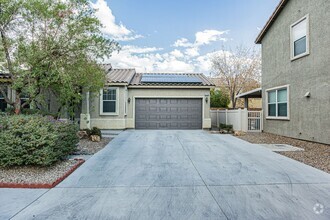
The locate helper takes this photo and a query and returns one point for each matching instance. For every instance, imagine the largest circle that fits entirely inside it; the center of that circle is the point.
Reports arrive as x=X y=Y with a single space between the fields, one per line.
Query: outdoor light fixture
x=308 y=95
x=129 y=100
x=206 y=98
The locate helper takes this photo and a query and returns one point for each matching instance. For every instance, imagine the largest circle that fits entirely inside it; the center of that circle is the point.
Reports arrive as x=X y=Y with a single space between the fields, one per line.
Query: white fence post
x=226 y=116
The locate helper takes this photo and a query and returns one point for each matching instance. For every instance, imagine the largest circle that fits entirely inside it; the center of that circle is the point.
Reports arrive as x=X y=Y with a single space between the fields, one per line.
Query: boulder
x=82 y=134
x=95 y=138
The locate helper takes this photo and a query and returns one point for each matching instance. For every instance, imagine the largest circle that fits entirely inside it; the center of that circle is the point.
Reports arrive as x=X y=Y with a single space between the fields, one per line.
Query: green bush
x=35 y=140
x=219 y=99
x=96 y=131
x=93 y=131
x=228 y=128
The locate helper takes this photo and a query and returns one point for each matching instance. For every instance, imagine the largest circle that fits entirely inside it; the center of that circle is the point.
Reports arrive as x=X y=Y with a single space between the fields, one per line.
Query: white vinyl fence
x=241 y=119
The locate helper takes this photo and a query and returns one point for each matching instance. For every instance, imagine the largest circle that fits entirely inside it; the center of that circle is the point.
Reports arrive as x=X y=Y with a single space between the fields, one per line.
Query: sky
x=179 y=35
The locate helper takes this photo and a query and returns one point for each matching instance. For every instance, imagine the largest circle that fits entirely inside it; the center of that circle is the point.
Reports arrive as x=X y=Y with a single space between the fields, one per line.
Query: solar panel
x=169 y=78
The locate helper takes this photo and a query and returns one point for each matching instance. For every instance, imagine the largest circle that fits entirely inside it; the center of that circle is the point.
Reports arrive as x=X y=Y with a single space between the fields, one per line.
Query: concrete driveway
x=180 y=175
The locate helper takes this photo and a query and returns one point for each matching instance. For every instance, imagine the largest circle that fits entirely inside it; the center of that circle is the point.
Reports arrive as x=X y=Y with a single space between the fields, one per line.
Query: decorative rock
x=95 y=138
x=82 y=134
x=238 y=133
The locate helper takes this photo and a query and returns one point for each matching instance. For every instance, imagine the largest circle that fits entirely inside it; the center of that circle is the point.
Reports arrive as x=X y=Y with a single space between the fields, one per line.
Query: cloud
x=117 y=31
x=177 y=53
x=139 y=50
x=202 y=38
x=182 y=42
x=185 y=57
x=192 y=52
x=155 y=61
x=208 y=36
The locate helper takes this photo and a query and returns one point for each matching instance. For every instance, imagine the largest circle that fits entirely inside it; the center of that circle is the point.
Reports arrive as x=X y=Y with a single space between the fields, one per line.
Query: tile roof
x=4 y=77
x=136 y=80
x=271 y=20
x=120 y=75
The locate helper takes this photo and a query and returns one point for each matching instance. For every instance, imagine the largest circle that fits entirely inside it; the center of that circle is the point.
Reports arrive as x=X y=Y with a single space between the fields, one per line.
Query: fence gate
x=255 y=121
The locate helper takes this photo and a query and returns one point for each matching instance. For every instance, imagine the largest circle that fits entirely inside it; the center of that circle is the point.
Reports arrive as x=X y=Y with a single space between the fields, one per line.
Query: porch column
x=246 y=102
x=85 y=118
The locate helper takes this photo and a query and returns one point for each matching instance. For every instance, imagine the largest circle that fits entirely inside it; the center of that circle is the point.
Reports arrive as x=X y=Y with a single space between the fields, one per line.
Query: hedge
x=35 y=140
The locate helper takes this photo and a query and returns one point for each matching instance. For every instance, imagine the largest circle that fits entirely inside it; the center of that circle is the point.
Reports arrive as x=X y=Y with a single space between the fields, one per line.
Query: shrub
x=228 y=128
x=96 y=131
x=35 y=140
x=93 y=131
x=219 y=99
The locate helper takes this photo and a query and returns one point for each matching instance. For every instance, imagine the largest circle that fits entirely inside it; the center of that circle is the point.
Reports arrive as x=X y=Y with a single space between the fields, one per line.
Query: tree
x=54 y=46
x=219 y=99
x=238 y=70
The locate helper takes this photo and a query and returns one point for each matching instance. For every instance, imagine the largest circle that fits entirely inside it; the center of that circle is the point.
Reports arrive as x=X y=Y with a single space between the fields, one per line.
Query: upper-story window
x=109 y=99
x=278 y=103
x=300 y=38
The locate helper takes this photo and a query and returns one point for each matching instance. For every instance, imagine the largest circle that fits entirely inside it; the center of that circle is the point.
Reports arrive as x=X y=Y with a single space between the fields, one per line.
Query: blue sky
x=179 y=35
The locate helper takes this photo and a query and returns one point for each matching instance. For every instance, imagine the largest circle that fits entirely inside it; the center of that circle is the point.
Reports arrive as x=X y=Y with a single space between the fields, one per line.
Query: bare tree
x=237 y=69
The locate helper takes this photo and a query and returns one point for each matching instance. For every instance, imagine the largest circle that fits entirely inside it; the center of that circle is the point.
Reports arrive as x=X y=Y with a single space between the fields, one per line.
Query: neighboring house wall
x=309 y=118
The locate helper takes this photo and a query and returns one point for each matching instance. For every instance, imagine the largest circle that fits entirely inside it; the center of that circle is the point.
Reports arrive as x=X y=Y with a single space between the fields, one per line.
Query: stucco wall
x=309 y=117
x=122 y=121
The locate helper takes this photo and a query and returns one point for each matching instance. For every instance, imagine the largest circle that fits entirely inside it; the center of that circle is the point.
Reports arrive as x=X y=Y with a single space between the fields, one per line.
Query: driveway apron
x=147 y=174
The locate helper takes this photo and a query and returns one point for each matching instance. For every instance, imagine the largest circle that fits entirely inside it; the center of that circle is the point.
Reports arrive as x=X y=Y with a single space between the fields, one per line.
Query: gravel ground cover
x=36 y=175
x=87 y=147
x=315 y=154
x=48 y=175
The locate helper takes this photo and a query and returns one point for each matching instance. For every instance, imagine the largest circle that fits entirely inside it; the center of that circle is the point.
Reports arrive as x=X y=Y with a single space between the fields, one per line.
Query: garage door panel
x=168 y=113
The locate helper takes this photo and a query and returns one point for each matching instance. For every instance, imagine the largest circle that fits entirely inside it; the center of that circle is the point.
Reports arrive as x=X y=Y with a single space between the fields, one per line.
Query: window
x=277 y=103
x=3 y=103
x=109 y=101
x=300 y=38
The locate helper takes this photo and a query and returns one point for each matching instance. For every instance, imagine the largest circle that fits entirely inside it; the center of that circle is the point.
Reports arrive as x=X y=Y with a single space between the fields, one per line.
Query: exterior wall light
x=129 y=100
x=206 y=98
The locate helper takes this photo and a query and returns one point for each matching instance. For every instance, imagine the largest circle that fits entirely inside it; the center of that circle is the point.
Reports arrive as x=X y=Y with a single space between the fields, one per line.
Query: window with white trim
x=277 y=103
x=109 y=100
x=299 y=38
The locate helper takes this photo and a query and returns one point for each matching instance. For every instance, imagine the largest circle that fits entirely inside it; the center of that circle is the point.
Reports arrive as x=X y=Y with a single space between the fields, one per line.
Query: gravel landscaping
x=87 y=147
x=36 y=175
x=48 y=175
x=314 y=154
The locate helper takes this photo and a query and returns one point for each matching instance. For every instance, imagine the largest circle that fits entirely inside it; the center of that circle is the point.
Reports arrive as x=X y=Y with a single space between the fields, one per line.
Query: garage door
x=168 y=113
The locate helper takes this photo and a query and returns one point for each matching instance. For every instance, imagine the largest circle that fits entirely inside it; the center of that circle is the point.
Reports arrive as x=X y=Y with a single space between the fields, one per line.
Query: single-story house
x=149 y=101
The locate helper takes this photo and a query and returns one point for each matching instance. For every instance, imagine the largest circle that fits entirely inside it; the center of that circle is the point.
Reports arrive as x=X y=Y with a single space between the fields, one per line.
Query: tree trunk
x=17 y=104
x=233 y=100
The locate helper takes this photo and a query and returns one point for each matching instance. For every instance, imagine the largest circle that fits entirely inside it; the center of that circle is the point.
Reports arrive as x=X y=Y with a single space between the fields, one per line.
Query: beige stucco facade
x=125 y=109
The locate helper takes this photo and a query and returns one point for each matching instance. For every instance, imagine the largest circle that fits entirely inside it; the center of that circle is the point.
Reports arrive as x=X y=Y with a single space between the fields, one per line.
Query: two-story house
x=295 y=70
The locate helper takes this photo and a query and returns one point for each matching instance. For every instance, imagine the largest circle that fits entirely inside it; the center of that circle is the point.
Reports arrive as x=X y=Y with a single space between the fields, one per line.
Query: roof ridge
x=271 y=20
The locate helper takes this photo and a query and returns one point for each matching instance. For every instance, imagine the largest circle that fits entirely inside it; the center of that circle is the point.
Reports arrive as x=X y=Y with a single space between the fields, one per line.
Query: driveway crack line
x=202 y=178
x=29 y=204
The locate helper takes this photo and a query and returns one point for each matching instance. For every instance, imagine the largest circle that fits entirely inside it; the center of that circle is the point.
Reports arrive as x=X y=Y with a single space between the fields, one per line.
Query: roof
x=120 y=75
x=271 y=20
x=217 y=81
x=255 y=93
x=202 y=80
x=4 y=77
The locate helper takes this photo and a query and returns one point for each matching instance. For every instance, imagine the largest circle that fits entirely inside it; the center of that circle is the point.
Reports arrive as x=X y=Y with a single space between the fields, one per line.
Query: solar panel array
x=169 y=78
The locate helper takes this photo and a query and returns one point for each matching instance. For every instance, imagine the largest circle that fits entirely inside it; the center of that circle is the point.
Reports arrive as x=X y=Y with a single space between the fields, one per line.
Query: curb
x=43 y=185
